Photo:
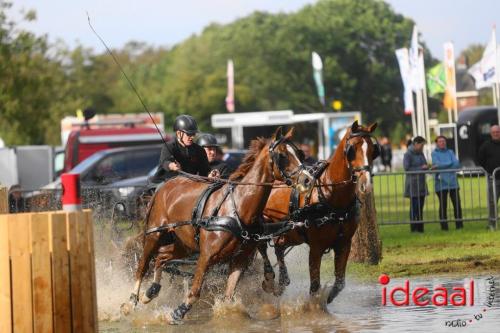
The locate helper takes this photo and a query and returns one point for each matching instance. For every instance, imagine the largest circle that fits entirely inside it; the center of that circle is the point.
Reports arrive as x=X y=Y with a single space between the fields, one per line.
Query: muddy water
x=357 y=309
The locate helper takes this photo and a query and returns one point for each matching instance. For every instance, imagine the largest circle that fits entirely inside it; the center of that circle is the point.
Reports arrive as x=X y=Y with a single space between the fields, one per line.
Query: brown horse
x=329 y=216
x=237 y=209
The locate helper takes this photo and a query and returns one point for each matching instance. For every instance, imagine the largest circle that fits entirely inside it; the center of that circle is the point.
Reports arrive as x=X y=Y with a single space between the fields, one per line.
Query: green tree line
x=43 y=82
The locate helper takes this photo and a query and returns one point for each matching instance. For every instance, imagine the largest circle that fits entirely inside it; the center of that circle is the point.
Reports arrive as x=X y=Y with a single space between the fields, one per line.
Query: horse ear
x=278 y=134
x=289 y=134
x=372 y=127
x=354 y=126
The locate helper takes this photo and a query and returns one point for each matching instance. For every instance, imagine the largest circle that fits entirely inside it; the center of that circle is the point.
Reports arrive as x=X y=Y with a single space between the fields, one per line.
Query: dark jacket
x=415 y=185
x=222 y=167
x=489 y=156
x=192 y=159
x=386 y=154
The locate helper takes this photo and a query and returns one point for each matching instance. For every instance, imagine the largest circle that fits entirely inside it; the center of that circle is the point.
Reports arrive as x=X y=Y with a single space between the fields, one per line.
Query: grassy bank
x=469 y=251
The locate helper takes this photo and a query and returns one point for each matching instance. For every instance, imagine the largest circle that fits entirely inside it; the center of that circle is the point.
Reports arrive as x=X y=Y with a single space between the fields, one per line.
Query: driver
x=182 y=153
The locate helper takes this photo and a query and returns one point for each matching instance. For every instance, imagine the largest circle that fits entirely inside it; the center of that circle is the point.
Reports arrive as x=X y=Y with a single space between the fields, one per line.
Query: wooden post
x=4 y=200
x=366 y=245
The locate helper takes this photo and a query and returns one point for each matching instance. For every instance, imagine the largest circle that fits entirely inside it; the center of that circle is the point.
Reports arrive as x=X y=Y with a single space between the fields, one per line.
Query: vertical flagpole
x=414 y=121
x=494 y=94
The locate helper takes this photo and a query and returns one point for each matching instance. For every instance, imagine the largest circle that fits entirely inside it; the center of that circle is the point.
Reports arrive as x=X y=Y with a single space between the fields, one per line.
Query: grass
x=471 y=250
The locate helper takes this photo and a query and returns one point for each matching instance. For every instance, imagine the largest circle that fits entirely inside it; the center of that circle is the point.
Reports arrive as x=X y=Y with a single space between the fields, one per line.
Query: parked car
x=101 y=170
x=233 y=158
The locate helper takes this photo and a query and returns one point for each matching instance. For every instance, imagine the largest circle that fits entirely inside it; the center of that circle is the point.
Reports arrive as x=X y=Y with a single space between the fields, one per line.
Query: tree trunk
x=366 y=245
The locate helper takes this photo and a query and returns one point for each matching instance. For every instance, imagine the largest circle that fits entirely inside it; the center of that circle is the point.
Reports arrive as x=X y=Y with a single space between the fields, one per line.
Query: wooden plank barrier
x=47 y=273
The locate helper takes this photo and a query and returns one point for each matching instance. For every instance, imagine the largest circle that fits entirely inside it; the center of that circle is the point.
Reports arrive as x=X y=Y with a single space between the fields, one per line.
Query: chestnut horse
x=171 y=234
x=330 y=213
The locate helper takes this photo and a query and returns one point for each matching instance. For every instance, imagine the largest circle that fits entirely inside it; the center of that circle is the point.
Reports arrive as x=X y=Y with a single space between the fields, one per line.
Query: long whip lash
x=126 y=77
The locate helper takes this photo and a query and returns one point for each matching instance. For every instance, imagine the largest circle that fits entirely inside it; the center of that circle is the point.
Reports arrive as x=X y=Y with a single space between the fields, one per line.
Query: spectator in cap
x=415 y=185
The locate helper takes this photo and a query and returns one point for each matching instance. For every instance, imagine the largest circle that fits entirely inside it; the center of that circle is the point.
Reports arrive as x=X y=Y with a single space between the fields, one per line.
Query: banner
x=318 y=76
x=230 y=86
x=404 y=68
x=484 y=71
x=436 y=80
x=417 y=76
x=449 y=66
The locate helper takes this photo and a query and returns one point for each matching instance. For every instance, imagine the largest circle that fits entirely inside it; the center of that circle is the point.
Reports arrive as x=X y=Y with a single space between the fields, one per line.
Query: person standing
x=415 y=184
x=489 y=159
x=386 y=154
x=446 y=182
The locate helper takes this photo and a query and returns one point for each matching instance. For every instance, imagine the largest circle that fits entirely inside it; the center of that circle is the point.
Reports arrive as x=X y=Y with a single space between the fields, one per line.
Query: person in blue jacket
x=446 y=182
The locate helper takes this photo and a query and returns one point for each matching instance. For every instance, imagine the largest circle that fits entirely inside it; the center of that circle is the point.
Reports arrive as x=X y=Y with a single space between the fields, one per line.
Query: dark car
x=102 y=169
x=473 y=127
x=233 y=159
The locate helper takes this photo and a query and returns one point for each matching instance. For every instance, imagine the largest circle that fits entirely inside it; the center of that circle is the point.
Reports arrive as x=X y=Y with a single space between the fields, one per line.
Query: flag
x=318 y=76
x=436 y=80
x=417 y=76
x=449 y=70
x=404 y=68
x=230 y=86
x=484 y=71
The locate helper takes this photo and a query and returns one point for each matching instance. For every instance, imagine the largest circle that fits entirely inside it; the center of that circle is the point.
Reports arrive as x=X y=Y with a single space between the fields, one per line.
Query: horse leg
x=268 y=283
x=284 y=279
x=150 y=248
x=153 y=290
x=341 y=255
x=315 y=255
x=236 y=267
x=176 y=316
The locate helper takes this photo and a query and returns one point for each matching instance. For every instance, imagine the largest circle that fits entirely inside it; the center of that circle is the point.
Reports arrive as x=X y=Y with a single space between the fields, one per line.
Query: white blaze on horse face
x=364 y=147
x=292 y=152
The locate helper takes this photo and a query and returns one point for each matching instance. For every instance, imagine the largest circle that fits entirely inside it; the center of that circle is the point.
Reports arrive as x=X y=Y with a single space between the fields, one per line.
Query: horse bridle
x=276 y=159
x=349 y=154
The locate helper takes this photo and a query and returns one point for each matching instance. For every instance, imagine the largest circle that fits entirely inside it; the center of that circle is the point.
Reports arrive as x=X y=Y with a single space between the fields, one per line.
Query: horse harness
x=253 y=232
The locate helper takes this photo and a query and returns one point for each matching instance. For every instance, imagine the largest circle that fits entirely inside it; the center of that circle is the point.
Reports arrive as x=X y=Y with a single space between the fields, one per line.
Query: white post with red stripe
x=71 y=196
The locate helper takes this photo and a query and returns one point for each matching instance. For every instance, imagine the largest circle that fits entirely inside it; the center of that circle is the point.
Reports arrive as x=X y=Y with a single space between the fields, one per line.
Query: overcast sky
x=168 y=22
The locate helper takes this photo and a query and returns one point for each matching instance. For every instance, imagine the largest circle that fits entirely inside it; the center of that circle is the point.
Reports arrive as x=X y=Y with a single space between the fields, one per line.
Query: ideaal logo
x=421 y=296
x=459 y=296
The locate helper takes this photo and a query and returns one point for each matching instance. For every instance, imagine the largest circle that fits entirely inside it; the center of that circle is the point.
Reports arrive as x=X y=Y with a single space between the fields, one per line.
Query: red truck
x=87 y=138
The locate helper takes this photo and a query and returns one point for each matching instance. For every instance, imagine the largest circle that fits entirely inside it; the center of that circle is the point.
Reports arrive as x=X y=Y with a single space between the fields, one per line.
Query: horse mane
x=256 y=146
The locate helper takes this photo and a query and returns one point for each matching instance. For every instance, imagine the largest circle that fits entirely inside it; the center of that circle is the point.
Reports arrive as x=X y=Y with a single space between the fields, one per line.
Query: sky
x=167 y=22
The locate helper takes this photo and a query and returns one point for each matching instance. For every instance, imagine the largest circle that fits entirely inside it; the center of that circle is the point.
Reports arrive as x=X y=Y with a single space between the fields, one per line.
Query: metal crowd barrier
x=101 y=199
x=394 y=208
x=495 y=189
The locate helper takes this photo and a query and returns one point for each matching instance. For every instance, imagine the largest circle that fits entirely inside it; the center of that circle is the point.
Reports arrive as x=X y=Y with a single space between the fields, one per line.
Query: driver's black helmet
x=186 y=124
x=207 y=140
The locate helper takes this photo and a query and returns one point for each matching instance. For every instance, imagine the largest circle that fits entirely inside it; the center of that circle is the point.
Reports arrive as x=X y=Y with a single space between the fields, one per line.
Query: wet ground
x=357 y=309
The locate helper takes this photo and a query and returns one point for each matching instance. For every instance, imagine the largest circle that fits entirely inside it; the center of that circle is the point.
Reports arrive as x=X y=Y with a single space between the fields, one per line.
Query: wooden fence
x=47 y=273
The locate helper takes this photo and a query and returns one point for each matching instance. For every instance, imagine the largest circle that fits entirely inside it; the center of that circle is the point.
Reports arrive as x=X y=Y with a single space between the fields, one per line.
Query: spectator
x=489 y=159
x=386 y=154
x=308 y=158
x=446 y=182
x=16 y=200
x=415 y=185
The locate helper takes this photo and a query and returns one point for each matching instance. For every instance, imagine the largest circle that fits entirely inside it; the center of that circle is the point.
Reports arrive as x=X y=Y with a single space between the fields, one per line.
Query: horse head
x=360 y=149
x=286 y=161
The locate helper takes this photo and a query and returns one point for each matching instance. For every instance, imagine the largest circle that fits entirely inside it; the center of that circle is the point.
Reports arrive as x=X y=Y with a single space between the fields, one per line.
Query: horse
x=328 y=214
x=231 y=218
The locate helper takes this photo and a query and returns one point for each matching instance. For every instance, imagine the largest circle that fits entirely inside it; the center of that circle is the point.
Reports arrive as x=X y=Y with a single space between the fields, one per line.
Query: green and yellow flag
x=436 y=80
